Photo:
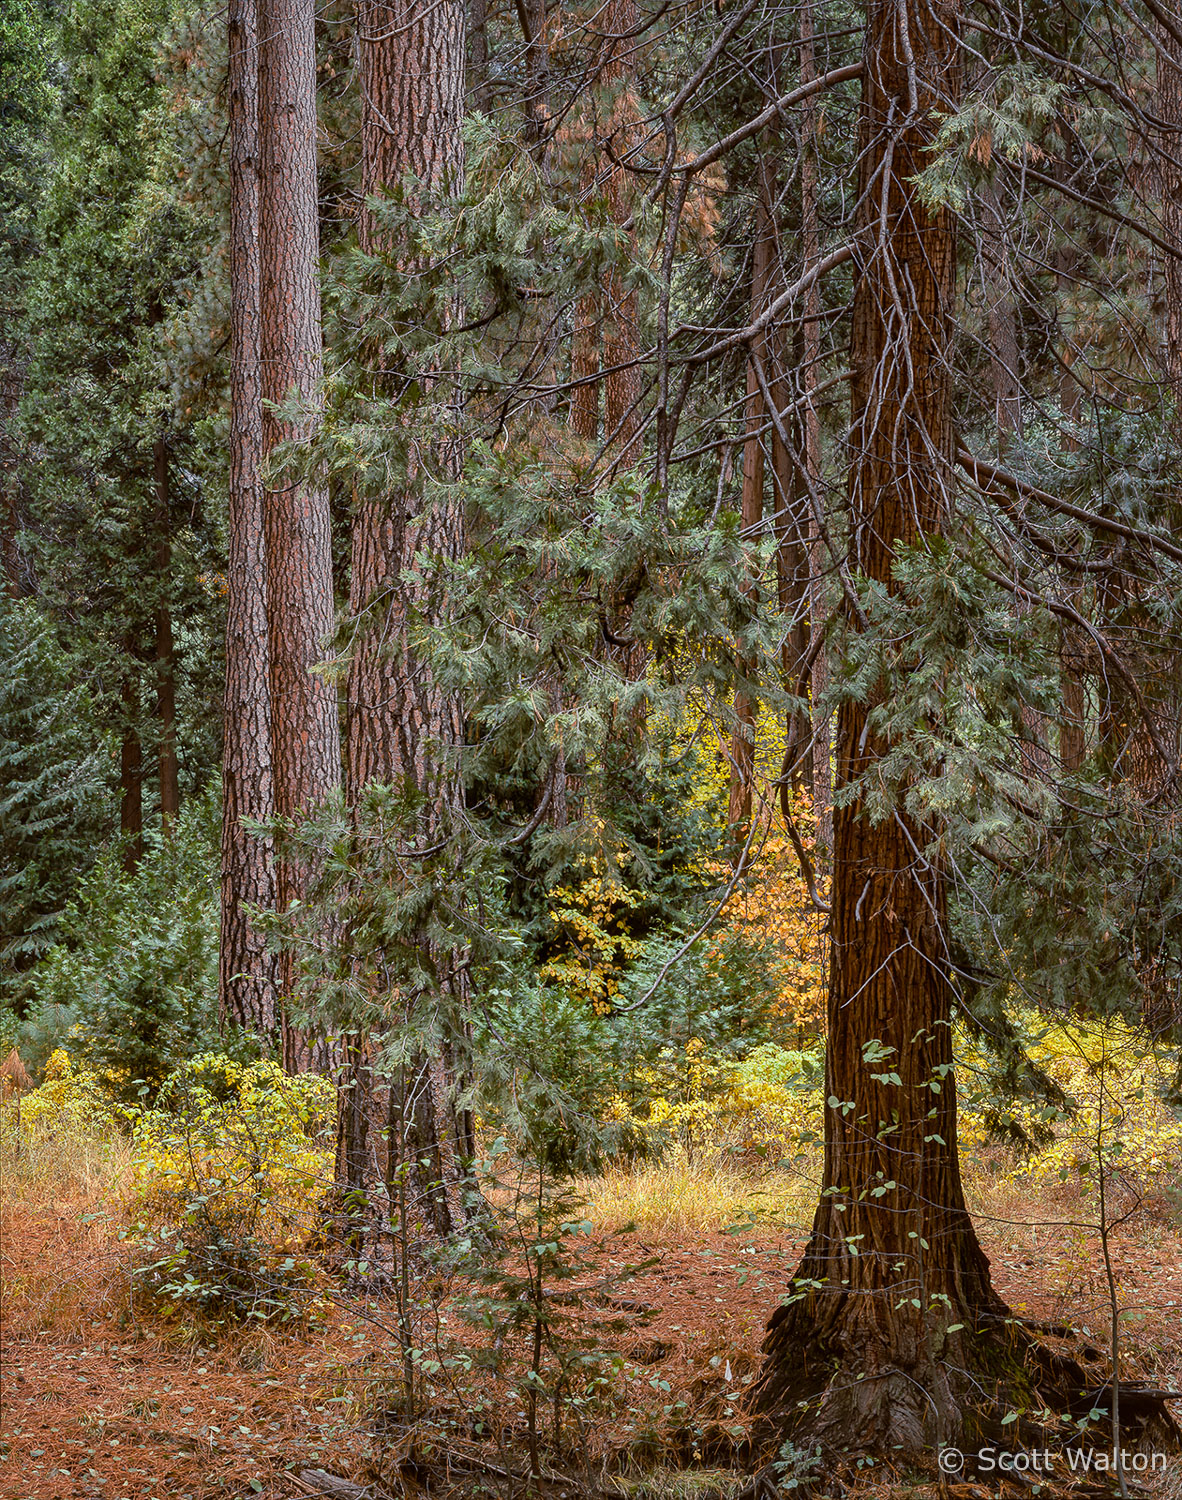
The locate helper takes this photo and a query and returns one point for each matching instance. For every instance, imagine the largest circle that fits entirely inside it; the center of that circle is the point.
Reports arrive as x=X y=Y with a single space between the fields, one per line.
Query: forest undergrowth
x=132 y=1370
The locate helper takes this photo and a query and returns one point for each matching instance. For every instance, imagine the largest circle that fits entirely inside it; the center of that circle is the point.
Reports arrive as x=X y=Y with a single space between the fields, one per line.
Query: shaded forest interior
x=591 y=685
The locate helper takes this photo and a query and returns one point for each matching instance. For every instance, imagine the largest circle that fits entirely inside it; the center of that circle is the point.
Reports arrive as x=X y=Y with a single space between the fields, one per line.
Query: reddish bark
x=893 y=1263
x=304 y=730
x=247 y=972
x=403 y=727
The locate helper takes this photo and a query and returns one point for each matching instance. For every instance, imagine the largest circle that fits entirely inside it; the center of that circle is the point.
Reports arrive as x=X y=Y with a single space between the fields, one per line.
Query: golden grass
x=77 y=1164
x=690 y=1191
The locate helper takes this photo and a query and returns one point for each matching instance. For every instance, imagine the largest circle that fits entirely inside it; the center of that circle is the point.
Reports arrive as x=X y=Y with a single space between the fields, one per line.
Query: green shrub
x=132 y=986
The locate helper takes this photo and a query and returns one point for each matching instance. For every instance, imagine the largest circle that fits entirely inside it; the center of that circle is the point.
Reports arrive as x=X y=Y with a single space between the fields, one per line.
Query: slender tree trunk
x=12 y=379
x=893 y=1264
x=304 y=730
x=479 y=88
x=247 y=971
x=810 y=244
x=170 y=797
x=131 y=769
x=403 y=727
x=621 y=345
x=1169 y=107
x=751 y=514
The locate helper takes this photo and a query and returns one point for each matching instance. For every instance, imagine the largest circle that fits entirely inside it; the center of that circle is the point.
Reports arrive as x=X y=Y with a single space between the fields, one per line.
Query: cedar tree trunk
x=869 y=1339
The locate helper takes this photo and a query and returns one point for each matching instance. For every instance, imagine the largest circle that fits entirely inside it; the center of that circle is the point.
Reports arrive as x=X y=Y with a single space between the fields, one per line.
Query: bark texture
x=893 y=1262
x=403 y=727
x=751 y=511
x=247 y=971
x=304 y=730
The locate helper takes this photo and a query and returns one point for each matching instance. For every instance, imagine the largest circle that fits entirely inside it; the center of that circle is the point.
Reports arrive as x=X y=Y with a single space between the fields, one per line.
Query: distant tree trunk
x=247 y=971
x=810 y=244
x=1169 y=107
x=621 y=346
x=751 y=514
x=402 y=726
x=479 y=88
x=893 y=1263
x=11 y=385
x=168 y=773
x=131 y=768
x=304 y=730
x=1002 y=322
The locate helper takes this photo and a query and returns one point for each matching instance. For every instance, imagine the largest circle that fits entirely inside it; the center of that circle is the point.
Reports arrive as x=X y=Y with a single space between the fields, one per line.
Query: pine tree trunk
x=893 y=1262
x=304 y=730
x=168 y=771
x=247 y=971
x=1169 y=107
x=621 y=345
x=402 y=725
x=479 y=88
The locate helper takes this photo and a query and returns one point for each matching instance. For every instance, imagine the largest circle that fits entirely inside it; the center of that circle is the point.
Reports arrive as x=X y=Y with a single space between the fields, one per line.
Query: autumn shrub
x=232 y=1164
x=67 y=1138
x=1114 y=1077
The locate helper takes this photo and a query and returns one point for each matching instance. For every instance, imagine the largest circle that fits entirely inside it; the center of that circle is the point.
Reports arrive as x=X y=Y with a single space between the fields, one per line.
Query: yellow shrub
x=242 y=1148
x=70 y=1098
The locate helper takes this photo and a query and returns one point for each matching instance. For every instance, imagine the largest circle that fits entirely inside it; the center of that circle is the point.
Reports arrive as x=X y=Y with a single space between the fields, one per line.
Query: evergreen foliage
x=55 y=775
x=132 y=985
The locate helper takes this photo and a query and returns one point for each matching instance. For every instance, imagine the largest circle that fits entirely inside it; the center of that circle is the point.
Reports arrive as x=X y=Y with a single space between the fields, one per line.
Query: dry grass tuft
x=77 y=1164
x=689 y=1191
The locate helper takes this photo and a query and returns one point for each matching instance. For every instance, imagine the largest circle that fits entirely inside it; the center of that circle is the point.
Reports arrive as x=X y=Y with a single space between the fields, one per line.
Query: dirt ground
x=96 y=1402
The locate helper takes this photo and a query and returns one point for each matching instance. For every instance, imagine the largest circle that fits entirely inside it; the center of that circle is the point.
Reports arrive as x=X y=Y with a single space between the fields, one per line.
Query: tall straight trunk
x=1169 y=108
x=247 y=970
x=810 y=244
x=168 y=770
x=894 y=1283
x=12 y=379
x=304 y=732
x=131 y=768
x=751 y=514
x=479 y=87
x=403 y=727
x=1002 y=319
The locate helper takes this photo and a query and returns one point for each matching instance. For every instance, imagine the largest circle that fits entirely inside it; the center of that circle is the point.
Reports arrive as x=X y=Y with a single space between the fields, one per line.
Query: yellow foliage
x=242 y=1145
x=1113 y=1074
x=596 y=948
x=70 y=1097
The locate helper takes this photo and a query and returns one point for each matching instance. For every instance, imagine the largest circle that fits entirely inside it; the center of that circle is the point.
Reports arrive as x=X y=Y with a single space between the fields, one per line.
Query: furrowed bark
x=869 y=1344
x=247 y=971
x=304 y=731
x=403 y=727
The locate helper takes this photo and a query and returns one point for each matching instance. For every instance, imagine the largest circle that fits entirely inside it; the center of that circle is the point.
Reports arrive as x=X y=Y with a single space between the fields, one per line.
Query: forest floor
x=98 y=1402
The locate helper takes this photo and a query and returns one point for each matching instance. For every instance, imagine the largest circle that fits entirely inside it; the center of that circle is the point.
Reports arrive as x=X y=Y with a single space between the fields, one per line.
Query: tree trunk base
x=828 y=1400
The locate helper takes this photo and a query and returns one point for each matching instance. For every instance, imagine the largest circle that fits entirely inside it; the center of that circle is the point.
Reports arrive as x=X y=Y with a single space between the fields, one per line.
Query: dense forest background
x=587 y=585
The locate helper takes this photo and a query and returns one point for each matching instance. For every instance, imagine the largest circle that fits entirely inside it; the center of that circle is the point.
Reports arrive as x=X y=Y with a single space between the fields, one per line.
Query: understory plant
x=232 y=1163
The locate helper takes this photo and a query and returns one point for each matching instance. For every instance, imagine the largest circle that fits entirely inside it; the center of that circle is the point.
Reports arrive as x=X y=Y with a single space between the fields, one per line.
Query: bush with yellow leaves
x=768 y=1106
x=66 y=1139
x=1114 y=1076
x=231 y=1169
x=70 y=1097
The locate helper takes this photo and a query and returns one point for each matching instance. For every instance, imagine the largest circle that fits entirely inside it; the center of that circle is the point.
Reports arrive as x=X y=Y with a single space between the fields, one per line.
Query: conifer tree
x=247 y=969
x=305 y=739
